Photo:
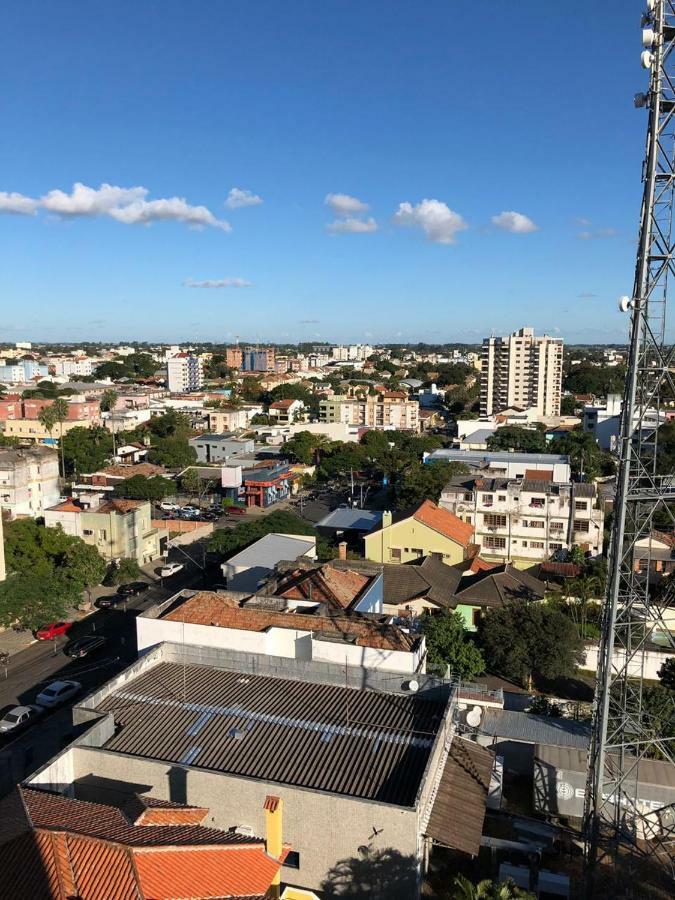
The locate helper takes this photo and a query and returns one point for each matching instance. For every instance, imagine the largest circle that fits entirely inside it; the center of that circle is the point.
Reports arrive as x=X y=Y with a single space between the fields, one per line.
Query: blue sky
x=484 y=109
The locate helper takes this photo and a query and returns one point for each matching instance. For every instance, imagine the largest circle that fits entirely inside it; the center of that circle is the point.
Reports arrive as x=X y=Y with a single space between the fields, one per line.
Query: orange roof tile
x=120 y=506
x=538 y=474
x=444 y=522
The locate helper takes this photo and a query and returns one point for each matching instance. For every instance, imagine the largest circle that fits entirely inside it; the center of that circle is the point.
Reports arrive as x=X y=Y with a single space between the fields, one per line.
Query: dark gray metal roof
x=362 y=743
x=356 y=519
x=482 y=457
x=519 y=726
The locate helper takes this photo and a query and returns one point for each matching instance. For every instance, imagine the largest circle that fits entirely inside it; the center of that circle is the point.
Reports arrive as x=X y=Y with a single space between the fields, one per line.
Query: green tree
x=586 y=457
x=449 y=647
x=138 y=487
x=658 y=718
x=229 y=541
x=665 y=458
x=33 y=600
x=425 y=482
x=173 y=452
x=47 y=417
x=301 y=447
x=488 y=890
x=667 y=673
x=86 y=449
x=587 y=378
x=113 y=370
x=125 y=570
x=568 y=406
x=522 y=641
x=523 y=440
x=583 y=589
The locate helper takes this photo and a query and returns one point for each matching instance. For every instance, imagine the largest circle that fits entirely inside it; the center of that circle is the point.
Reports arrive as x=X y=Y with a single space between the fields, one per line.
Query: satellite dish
x=473 y=717
x=411 y=686
x=625 y=304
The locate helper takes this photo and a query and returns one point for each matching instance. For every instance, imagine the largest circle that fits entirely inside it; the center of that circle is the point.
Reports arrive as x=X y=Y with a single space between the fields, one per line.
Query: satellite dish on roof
x=412 y=686
x=473 y=717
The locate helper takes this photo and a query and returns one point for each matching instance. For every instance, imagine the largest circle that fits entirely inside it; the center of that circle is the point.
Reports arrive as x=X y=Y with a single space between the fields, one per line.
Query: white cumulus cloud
x=238 y=198
x=218 y=283
x=18 y=204
x=127 y=205
x=440 y=223
x=352 y=225
x=344 y=205
x=515 y=222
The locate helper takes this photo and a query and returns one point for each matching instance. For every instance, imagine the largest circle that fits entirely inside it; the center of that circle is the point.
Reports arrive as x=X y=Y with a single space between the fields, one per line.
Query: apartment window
x=580 y=505
x=537 y=545
x=501 y=498
x=102 y=534
x=536 y=523
x=494 y=521
x=488 y=499
x=553 y=546
x=582 y=525
x=494 y=543
x=468 y=497
x=417 y=551
x=395 y=554
x=524 y=543
x=557 y=526
x=87 y=531
x=537 y=502
x=292 y=860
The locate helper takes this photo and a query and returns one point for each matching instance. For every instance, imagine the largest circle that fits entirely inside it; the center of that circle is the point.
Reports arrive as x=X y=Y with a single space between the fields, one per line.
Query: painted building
x=29 y=480
x=408 y=537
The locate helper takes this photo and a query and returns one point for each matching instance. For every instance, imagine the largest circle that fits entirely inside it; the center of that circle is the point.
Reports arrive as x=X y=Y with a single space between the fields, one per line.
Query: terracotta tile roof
x=151 y=811
x=664 y=537
x=51 y=859
x=68 y=505
x=148 y=470
x=480 y=565
x=366 y=632
x=538 y=474
x=326 y=584
x=563 y=569
x=282 y=404
x=444 y=522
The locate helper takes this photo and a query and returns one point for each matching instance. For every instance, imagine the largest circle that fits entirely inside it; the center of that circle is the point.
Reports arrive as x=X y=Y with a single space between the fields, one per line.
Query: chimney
x=386 y=518
x=273 y=807
x=342 y=550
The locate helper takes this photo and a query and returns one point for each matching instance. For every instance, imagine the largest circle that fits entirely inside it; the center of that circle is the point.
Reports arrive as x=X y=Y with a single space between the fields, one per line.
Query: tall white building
x=521 y=370
x=29 y=480
x=185 y=373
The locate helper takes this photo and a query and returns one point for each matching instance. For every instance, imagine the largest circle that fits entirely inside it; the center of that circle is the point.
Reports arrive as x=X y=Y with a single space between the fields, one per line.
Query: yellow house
x=429 y=529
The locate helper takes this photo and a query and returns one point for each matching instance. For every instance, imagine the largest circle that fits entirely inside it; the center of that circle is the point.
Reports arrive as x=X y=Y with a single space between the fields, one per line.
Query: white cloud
x=218 y=283
x=344 y=205
x=440 y=223
x=17 y=204
x=127 y=205
x=352 y=226
x=514 y=222
x=238 y=198
x=599 y=233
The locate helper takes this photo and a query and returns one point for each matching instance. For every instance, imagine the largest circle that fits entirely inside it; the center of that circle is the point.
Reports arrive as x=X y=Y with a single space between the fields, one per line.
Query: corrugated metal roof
x=519 y=726
x=271 y=549
x=651 y=771
x=320 y=736
x=480 y=457
x=356 y=519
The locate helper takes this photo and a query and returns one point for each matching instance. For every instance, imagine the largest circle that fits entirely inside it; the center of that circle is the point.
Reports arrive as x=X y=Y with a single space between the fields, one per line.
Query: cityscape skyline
x=311 y=213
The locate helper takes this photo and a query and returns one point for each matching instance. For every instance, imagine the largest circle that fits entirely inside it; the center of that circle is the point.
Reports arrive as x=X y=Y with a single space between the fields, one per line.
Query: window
x=487 y=499
x=537 y=502
x=292 y=860
x=537 y=545
x=87 y=531
x=102 y=534
x=494 y=543
x=468 y=497
x=555 y=546
x=417 y=551
x=535 y=523
x=580 y=505
x=494 y=521
x=557 y=526
x=395 y=554
x=581 y=525
x=475 y=617
x=501 y=498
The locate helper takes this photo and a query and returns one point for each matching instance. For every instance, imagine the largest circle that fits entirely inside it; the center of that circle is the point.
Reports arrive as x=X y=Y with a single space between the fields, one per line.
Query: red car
x=53 y=630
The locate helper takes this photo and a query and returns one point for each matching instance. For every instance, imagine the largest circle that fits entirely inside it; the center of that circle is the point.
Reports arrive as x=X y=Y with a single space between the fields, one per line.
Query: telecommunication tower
x=618 y=820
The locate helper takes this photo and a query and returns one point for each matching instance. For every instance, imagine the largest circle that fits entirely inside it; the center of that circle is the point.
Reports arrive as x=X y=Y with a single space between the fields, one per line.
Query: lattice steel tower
x=618 y=821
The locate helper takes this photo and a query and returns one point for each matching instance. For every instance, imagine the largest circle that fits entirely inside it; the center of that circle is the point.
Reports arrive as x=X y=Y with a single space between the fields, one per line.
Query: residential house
x=29 y=480
x=429 y=529
x=527 y=521
x=227 y=419
x=246 y=570
x=122 y=845
x=286 y=412
x=117 y=474
x=119 y=529
x=657 y=551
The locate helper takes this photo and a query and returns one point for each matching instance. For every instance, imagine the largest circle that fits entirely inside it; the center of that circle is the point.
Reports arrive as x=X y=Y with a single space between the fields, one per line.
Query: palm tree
x=60 y=407
x=488 y=890
x=108 y=403
x=584 y=588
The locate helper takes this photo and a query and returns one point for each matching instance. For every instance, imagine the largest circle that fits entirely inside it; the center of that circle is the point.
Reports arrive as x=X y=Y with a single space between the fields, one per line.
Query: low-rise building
x=408 y=536
x=19 y=372
x=246 y=570
x=285 y=412
x=603 y=420
x=386 y=410
x=227 y=419
x=119 y=529
x=505 y=464
x=527 y=520
x=265 y=485
x=29 y=480
x=213 y=448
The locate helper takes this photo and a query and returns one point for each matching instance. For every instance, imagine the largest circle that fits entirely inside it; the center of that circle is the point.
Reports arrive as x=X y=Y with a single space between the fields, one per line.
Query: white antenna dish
x=625 y=303
x=473 y=717
x=412 y=686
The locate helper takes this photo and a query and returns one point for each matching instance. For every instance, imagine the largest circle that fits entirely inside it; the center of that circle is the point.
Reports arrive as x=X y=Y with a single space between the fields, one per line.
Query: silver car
x=19 y=718
x=57 y=692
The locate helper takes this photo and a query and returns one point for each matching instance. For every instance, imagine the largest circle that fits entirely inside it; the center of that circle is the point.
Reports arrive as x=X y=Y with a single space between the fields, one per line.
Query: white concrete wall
x=653 y=661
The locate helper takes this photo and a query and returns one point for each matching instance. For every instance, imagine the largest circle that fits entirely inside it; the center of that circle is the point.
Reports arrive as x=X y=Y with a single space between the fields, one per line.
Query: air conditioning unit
x=244 y=830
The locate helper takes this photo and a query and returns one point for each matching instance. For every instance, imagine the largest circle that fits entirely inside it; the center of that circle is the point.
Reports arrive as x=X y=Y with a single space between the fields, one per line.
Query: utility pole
x=619 y=824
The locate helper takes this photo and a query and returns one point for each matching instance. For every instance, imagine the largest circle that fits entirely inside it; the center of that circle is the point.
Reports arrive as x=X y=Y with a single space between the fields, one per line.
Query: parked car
x=109 y=602
x=53 y=630
x=84 y=646
x=171 y=569
x=18 y=718
x=132 y=589
x=57 y=692
x=235 y=511
x=169 y=507
x=190 y=510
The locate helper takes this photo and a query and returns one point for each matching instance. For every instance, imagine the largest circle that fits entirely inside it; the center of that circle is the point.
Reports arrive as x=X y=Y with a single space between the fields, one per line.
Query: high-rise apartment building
x=256 y=359
x=185 y=373
x=521 y=370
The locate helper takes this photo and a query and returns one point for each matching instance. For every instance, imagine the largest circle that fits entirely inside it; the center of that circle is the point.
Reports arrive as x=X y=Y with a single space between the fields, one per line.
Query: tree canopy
x=229 y=541
x=586 y=378
x=449 y=647
x=523 y=440
x=141 y=488
x=522 y=641
x=86 y=449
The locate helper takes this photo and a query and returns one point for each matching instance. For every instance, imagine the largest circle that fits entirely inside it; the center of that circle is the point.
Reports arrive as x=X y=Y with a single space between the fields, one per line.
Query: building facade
x=185 y=372
x=428 y=530
x=29 y=481
x=388 y=410
x=527 y=521
x=521 y=370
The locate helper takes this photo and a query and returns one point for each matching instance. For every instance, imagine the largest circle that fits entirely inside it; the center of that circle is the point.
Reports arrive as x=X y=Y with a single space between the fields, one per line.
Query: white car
x=18 y=718
x=57 y=692
x=171 y=569
x=169 y=507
